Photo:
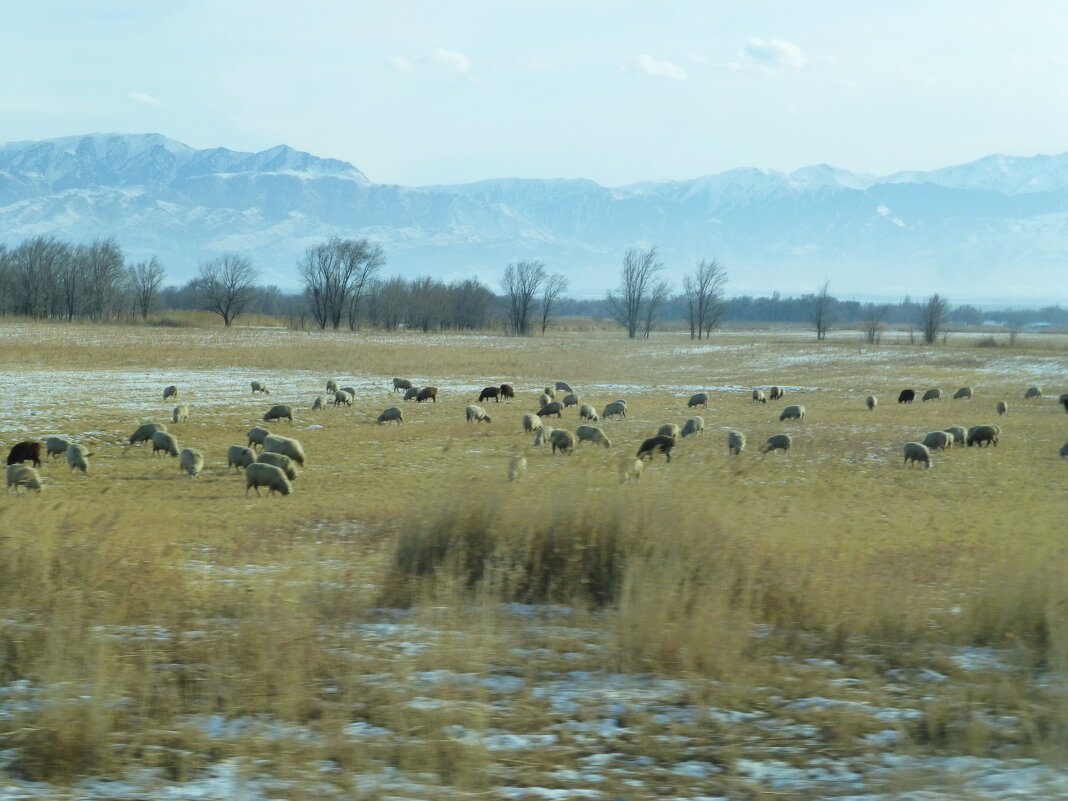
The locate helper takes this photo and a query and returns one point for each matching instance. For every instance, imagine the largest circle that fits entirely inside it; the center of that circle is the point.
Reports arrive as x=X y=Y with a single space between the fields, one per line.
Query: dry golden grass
x=135 y=599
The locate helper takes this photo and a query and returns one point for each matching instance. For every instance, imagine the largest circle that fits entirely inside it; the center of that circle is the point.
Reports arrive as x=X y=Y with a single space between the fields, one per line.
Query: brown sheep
x=507 y=391
x=401 y=384
x=427 y=394
x=658 y=444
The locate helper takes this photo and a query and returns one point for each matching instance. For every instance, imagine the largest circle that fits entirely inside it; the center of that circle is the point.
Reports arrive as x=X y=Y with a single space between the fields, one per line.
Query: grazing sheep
x=776 y=392
x=542 y=435
x=259 y=386
x=779 y=442
x=427 y=393
x=615 y=408
x=587 y=412
x=551 y=392
x=77 y=456
x=259 y=475
x=871 y=401
x=1033 y=392
x=19 y=475
x=917 y=452
x=531 y=422
x=562 y=440
x=551 y=408
x=391 y=415
x=285 y=446
x=54 y=446
x=938 y=440
x=342 y=397
x=170 y=392
x=1002 y=407
x=736 y=442
x=279 y=412
x=1063 y=401
x=963 y=393
x=331 y=385
x=317 y=404
x=592 y=434
x=658 y=444
x=563 y=386
x=256 y=436
x=931 y=394
x=571 y=400
x=906 y=396
x=507 y=391
x=476 y=414
x=795 y=412
x=630 y=469
x=693 y=425
x=517 y=467
x=988 y=434
x=490 y=392
x=958 y=433
x=27 y=451
x=239 y=456
x=350 y=390
x=281 y=461
x=699 y=399
x=401 y=384
x=191 y=461
x=669 y=430
x=759 y=396
x=162 y=441
x=144 y=432
x=180 y=414
x=410 y=393
x=543 y=399
x=1064 y=450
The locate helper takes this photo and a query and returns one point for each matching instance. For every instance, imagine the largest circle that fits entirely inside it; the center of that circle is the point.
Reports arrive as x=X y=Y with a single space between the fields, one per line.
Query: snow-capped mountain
x=994 y=229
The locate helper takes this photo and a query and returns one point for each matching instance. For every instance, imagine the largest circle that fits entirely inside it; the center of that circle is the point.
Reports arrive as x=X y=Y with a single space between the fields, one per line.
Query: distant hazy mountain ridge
x=996 y=228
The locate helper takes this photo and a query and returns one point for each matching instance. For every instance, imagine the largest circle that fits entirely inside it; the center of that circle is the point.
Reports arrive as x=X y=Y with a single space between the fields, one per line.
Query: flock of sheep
x=272 y=461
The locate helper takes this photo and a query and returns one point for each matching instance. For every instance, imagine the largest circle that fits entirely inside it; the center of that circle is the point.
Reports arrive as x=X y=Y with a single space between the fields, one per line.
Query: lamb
x=331 y=385
x=795 y=412
x=259 y=386
x=281 y=461
x=256 y=436
x=490 y=392
x=191 y=461
x=630 y=469
x=542 y=435
x=517 y=467
x=391 y=415
x=531 y=422
x=162 y=441
x=239 y=456
x=938 y=440
x=917 y=452
x=776 y=392
x=1002 y=407
x=563 y=386
x=759 y=396
x=699 y=399
x=259 y=475
x=963 y=393
x=736 y=442
x=562 y=440
x=476 y=414
x=592 y=434
x=279 y=412
x=342 y=397
x=410 y=393
x=1033 y=392
x=401 y=384
x=778 y=442
x=658 y=444
x=543 y=399
x=170 y=392
x=19 y=475
x=54 y=446
x=978 y=435
x=871 y=401
x=180 y=414
x=693 y=425
x=669 y=430
x=931 y=394
x=317 y=404
x=77 y=456
x=427 y=393
x=285 y=446
x=507 y=391
x=906 y=396
x=571 y=400
x=144 y=432
x=958 y=433
x=587 y=412
x=615 y=408
x=27 y=451
x=551 y=408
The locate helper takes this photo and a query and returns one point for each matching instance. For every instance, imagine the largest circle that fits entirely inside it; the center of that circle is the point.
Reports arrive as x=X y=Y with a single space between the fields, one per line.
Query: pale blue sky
x=419 y=93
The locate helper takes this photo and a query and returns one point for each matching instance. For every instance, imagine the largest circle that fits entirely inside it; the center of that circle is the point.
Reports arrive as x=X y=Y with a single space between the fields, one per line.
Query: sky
x=424 y=93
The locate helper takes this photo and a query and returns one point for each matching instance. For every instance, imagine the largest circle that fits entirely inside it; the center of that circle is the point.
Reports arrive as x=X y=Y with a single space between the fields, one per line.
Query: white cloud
x=399 y=63
x=145 y=99
x=451 y=60
x=769 y=55
x=659 y=69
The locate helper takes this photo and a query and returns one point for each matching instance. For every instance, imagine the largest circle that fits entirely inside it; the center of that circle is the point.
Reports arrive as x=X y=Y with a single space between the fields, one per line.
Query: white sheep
x=256 y=436
x=779 y=442
x=543 y=399
x=285 y=446
x=959 y=435
x=917 y=452
x=517 y=467
x=871 y=401
x=736 y=442
x=191 y=461
x=571 y=400
x=476 y=414
x=180 y=414
x=259 y=475
x=693 y=425
x=317 y=404
x=938 y=440
x=592 y=434
x=170 y=392
x=259 y=386
x=331 y=385
x=562 y=440
x=587 y=412
x=1033 y=392
x=542 y=435
x=551 y=392
x=162 y=441
x=759 y=396
x=20 y=475
x=630 y=469
x=531 y=422
x=1001 y=407
x=615 y=408
x=239 y=456
x=55 y=446
x=698 y=399
x=279 y=412
x=77 y=457
x=931 y=394
x=144 y=432
x=669 y=430
x=796 y=412
x=391 y=415
x=342 y=397
x=281 y=461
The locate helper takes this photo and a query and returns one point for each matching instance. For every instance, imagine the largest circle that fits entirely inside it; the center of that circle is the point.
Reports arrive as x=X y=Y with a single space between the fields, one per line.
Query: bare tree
x=104 y=272
x=704 y=297
x=145 y=279
x=872 y=322
x=821 y=314
x=36 y=265
x=521 y=283
x=337 y=274
x=640 y=292
x=227 y=285
x=555 y=286
x=933 y=317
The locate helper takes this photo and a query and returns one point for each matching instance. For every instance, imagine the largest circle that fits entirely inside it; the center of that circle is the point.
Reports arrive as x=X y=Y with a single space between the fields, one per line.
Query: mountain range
x=993 y=230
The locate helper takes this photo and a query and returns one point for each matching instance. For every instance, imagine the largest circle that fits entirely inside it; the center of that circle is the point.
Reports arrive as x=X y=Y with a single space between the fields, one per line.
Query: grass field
x=409 y=624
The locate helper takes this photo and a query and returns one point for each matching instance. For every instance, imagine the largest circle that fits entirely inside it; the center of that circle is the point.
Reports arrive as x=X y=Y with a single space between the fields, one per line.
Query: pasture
x=409 y=623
